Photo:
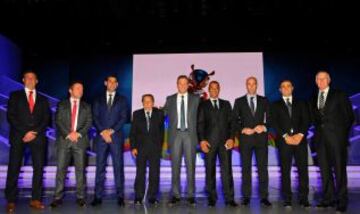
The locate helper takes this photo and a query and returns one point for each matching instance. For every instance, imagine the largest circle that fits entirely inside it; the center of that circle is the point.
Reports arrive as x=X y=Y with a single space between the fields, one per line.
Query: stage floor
x=109 y=201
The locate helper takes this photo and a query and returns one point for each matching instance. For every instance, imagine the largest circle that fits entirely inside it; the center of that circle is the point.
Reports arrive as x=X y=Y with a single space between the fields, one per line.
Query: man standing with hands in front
x=290 y=118
x=216 y=140
x=251 y=117
x=110 y=113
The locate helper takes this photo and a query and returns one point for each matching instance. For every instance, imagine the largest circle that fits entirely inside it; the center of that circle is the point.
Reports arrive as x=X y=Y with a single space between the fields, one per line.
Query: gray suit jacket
x=63 y=123
x=170 y=110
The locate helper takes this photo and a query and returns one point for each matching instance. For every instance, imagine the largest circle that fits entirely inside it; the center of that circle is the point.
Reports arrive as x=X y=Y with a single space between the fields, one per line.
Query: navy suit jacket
x=113 y=118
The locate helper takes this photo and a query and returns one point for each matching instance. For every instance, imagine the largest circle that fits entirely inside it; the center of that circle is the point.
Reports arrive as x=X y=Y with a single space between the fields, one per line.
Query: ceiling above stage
x=63 y=27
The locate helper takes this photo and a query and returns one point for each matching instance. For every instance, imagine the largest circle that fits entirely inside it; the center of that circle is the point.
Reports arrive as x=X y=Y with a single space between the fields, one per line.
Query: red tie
x=73 y=116
x=31 y=101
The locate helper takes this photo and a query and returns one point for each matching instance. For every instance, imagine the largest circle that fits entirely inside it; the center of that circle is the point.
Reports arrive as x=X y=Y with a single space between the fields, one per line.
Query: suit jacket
x=140 y=137
x=170 y=110
x=337 y=118
x=63 y=123
x=284 y=124
x=113 y=118
x=21 y=120
x=215 y=126
x=243 y=118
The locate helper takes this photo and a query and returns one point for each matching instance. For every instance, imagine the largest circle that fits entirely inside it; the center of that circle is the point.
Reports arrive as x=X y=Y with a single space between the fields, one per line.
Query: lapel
x=189 y=105
x=284 y=107
x=247 y=104
x=328 y=99
x=27 y=102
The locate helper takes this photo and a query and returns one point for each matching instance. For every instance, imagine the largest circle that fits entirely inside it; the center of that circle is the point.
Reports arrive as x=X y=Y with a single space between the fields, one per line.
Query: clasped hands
x=294 y=139
x=258 y=129
x=205 y=145
x=29 y=136
x=106 y=135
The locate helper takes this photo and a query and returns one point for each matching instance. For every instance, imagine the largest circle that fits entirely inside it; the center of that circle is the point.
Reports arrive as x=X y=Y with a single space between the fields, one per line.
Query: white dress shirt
x=77 y=110
x=248 y=96
x=217 y=102
x=178 y=101
x=108 y=97
x=27 y=91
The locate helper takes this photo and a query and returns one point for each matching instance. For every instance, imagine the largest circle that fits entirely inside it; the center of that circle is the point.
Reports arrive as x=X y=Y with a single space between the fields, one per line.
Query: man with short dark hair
x=146 y=139
x=73 y=121
x=28 y=114
x=110 y=113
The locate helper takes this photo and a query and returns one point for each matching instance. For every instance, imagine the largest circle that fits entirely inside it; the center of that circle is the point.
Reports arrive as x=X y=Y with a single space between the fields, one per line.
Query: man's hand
x=73 y=137
x=205 y=145
x=259 y=129
x=247 y=131
x=229 y=144
x=29 y=136
x=290 y=140
x=106 y=135
x=134 y=152
x=298 y=138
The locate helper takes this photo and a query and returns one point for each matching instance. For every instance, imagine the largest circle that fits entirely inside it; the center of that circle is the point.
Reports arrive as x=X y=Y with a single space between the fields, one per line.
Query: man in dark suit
x=28 y=115
x=110 y=113
x=333 y=117
x=216 y=140
x=73 y=121
x=146 y=138
x=181 y=109
x=290 y=118
x=251 y=116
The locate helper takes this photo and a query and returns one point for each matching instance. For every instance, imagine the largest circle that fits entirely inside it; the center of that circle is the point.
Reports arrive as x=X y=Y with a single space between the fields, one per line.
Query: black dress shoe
x=191 y=201
x=121 y=202
x=245 y=202
x=341 y=209
x=138 y=201
x=81 y=202
x=174 y=200
x=265 y=202
x=153 y=201
x=96 y=202
x=287 y=204
x=211 y=202
x=56 y=203
x=324 y=204
x=304 y=203
x=231 y=203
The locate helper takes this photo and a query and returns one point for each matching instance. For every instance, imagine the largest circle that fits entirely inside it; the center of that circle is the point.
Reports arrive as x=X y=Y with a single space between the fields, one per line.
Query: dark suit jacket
x=215 y=126
x=243 y=118
x=21 y=120
x=140 y=138
x=113 y=118
x=337 y=118
x=63 y=123
x=282 y=122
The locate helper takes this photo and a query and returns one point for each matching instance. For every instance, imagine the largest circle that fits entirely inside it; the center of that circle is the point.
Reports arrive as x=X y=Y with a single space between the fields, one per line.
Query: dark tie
x=182 y=114
x=148 y=121
x=322 y=101
x=289 y=106
x=216 y=105
x=252 y=105
x=109 y=103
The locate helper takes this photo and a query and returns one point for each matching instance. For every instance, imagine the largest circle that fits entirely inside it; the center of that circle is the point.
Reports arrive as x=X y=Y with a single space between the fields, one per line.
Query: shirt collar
x=289 y=97
x=148 y=111
x=249 y=96
x=74 y=99
x=326 y=90
x=185 y=94
x=112 y=93
x=28 y=90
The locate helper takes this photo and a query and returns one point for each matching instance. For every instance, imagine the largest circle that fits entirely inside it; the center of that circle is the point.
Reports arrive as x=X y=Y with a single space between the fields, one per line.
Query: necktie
x=252 y=105
x=321 y=101
x=148 y=121
x=73 y=116
x=216 y=105
x=31 y=101
x=182 y=114
x=289 y=106
x=109 y=103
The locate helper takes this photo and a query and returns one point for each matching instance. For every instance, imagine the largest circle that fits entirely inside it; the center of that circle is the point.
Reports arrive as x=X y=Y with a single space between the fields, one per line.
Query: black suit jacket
x=243 y=118
x=63 y=122
x=282 y=122
x=21 y=120
x=140 y=138
x=215 y=126
x=337 y=119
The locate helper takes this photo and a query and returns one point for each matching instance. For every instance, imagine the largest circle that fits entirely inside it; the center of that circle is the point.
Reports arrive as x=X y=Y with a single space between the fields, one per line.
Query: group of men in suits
x=212 y=124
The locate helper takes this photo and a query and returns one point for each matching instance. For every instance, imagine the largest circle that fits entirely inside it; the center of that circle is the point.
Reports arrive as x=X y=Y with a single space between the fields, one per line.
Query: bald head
x=251 y=85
